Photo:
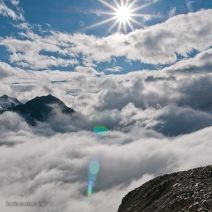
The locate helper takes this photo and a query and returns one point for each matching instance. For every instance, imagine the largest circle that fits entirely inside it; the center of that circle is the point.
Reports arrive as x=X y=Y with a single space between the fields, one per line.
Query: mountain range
x=35 y=110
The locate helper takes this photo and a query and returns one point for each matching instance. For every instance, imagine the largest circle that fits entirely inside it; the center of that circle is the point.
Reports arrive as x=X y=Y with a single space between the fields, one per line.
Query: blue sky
x=74 y=17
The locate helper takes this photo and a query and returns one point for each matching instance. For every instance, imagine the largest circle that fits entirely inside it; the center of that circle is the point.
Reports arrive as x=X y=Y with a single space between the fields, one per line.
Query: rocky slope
x=183 y=191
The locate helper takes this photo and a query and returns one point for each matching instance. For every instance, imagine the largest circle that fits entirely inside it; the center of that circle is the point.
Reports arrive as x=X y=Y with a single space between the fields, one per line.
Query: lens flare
x=93 y=170
x=94 y=167
x=100 y=129
x=90 y=188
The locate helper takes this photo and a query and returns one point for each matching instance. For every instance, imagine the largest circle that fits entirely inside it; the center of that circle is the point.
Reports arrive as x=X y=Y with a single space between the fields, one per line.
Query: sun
x=123 y=15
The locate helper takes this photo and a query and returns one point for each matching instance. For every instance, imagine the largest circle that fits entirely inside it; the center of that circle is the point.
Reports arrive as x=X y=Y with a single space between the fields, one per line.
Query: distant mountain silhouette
x=40 y=109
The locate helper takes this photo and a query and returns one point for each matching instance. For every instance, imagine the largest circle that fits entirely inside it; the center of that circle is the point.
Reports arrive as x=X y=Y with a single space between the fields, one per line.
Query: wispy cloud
x=6 y=11
x=159 y=44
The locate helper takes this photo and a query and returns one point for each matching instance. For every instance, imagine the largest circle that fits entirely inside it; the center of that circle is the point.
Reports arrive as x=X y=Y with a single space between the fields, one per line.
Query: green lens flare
x=100 y=129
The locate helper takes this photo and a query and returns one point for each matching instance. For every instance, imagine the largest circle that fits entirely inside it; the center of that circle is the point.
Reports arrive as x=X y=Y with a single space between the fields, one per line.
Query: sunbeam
x=123 y=14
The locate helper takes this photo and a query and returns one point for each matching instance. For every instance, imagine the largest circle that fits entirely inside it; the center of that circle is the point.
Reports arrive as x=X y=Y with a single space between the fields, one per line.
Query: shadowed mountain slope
x=40 y=109
x=183 y=191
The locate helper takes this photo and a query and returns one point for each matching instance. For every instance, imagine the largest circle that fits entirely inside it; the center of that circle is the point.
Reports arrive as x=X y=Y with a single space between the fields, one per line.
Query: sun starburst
x=123 y=15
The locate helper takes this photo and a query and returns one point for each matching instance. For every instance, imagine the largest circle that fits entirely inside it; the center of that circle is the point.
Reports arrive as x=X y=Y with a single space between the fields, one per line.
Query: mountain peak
x=4 y=96
x=7 y=102
x=46 y=99
x=41 y=108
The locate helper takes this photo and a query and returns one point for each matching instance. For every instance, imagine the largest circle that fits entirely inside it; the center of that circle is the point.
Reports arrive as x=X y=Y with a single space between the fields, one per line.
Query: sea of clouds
x=159 y=122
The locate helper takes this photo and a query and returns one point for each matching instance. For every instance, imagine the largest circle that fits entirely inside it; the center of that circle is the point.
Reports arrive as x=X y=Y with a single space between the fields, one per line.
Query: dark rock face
x=37 y=109
x=183 y=191
x=41 y=108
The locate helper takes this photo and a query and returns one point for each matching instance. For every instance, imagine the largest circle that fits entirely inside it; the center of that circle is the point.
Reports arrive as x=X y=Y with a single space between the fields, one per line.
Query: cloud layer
x=159 y=44
x=54 y=169
x=159 y=122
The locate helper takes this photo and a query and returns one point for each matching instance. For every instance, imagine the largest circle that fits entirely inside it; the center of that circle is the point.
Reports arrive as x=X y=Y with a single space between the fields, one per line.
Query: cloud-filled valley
x=159 y=122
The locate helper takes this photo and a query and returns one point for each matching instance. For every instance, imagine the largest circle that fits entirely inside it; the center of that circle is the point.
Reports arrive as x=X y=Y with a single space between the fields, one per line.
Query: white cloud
x=28 y=54
x=172 y=12
x=15 y=2
x=114 y=69
x=86 y=70
x=158 y=44
x=199 y=64
x=6 y=11
x=54 y=169
x=134 y=106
